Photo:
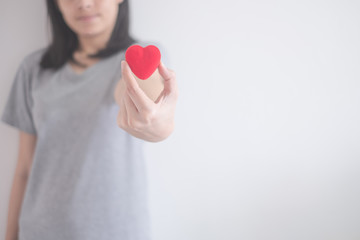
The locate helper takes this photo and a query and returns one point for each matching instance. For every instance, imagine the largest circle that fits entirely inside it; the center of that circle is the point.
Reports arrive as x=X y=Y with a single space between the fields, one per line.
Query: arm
x=27 y=143
x=139 y=115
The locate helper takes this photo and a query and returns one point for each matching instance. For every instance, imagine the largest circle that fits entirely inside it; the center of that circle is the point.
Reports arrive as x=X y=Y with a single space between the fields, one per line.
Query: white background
x=267 y=138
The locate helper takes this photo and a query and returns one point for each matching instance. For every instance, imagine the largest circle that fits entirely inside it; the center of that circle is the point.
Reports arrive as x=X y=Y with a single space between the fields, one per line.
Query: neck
x=92 y=44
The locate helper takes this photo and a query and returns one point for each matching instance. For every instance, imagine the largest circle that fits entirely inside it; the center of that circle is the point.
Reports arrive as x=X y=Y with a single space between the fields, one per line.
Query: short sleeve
x=18 y=108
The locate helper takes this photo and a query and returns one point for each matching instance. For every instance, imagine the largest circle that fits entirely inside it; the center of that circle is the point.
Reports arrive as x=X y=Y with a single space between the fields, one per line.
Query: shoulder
x=33 y=58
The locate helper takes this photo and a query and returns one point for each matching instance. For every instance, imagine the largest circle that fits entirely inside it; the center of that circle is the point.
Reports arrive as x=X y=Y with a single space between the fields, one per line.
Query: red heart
x=143 y=61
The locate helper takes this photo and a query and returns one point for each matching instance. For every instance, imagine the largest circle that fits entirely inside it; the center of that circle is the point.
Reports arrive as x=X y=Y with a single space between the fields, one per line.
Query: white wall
x=267 y=138
x=22 y=30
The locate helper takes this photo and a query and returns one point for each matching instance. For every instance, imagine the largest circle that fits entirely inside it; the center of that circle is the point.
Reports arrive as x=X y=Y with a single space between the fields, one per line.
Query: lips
x=87 y=18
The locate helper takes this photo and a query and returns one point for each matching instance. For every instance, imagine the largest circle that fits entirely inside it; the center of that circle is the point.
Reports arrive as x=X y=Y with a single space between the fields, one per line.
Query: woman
x=81 y=172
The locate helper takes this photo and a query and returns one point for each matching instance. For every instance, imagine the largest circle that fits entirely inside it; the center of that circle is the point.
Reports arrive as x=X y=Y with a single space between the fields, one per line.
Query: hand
x=138 y=114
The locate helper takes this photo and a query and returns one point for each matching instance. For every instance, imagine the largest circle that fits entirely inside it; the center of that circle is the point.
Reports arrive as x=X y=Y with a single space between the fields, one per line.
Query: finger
x=170 y=84
x=138 y=96
x=122 y=116
x=160 y=98
x=127 y=117
x=130 y=106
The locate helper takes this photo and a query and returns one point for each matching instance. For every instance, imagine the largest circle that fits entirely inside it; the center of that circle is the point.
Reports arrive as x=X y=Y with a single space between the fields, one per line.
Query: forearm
x=16 y=198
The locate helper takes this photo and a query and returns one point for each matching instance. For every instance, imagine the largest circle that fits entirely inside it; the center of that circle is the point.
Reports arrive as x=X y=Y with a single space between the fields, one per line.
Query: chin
x=89 y=33
x=88 y=29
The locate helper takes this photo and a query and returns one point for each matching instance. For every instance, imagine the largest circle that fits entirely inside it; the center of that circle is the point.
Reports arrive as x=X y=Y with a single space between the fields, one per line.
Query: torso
x=83 y=60
x=77 y=68
x=86 y=170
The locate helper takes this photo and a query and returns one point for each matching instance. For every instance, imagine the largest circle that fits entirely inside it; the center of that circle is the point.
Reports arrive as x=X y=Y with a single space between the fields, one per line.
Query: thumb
x=170 y=85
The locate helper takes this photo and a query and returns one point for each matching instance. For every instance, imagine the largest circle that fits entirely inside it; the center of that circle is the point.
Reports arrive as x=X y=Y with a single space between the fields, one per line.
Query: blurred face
x=89 y=18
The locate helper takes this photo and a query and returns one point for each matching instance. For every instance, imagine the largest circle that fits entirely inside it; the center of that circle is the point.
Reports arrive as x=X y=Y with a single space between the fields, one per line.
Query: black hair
x=65 y=42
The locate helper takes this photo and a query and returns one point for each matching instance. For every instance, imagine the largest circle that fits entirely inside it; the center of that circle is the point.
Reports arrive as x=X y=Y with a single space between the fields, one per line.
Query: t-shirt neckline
x=70 y=71
x=89 y=70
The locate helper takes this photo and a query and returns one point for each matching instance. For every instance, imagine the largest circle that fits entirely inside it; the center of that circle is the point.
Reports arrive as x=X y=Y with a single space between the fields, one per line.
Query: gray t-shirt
x=88 y=177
